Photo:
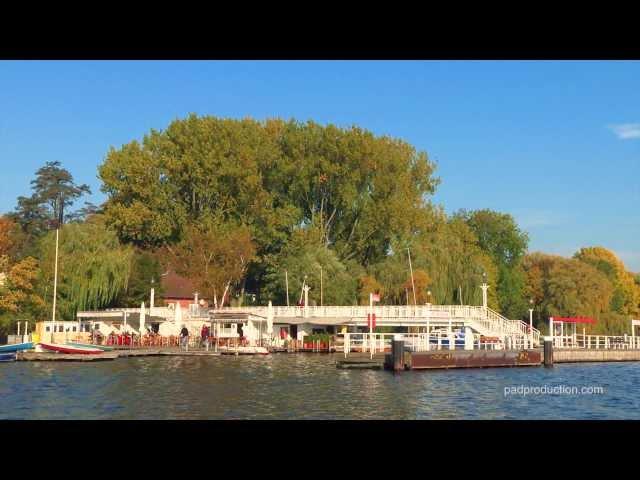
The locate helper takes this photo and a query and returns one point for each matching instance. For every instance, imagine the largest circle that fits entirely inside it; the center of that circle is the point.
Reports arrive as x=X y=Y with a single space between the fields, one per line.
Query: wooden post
x=397 y=353
x=548 y=351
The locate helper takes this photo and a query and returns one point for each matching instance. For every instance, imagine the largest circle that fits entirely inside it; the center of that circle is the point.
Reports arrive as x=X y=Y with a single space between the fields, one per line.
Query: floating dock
x=471 y=359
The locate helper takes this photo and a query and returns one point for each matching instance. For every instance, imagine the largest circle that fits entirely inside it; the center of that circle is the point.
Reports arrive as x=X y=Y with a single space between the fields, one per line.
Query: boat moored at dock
x=16 y=347
x=104 y=348
x=54 y=347
x=8 y=357
x=243 y=350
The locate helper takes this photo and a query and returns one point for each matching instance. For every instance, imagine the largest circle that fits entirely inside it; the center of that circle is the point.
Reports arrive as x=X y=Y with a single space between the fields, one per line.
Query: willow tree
x=449 y=253
x=93 y=267
x=302 y=258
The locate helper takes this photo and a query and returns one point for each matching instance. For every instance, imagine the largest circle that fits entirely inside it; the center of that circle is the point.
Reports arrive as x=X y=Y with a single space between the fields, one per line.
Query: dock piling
x=548 y=351
x=397 y=353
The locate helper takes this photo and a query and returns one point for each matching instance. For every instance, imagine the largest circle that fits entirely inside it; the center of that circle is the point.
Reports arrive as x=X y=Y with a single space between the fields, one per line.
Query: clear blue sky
x=556 y=144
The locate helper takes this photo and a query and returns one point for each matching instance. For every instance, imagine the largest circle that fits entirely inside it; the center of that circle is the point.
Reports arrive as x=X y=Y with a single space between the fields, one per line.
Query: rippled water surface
x=305 y=386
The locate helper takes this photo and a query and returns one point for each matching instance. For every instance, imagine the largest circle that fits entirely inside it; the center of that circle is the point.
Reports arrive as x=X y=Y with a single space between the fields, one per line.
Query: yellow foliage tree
x=366 y=285
x=422 y=281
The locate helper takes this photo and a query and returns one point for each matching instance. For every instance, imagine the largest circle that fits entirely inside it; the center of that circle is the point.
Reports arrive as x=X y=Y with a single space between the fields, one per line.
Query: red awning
x=573 y=319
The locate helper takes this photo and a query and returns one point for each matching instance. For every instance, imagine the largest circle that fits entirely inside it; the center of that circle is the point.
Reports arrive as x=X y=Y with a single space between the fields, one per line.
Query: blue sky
x=556 y=144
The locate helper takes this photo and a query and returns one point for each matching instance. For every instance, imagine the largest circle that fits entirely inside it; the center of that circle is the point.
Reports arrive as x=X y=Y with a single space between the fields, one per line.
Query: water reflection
x=303 y=386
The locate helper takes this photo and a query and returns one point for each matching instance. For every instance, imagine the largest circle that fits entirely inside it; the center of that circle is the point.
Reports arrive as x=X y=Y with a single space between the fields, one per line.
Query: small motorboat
x=104 y=348
x=16 y=347
x=55 y=347
x=8 y=357
x=244 y=350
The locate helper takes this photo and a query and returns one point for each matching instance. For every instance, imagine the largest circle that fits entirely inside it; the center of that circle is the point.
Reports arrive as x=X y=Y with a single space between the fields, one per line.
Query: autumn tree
x=19 y=300
x=568 y=287
x=626 y=295
x=214 y=255
x=421 y=282
x=367 y=284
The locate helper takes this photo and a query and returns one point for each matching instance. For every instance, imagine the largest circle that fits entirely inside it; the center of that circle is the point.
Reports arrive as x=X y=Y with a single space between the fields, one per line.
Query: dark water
x=306 y=386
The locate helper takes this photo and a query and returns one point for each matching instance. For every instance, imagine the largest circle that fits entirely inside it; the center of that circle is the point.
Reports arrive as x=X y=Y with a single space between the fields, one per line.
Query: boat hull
x=8 y=357
x=90 y=346
x=17 y=347
x=53 y=347
x=244 y=350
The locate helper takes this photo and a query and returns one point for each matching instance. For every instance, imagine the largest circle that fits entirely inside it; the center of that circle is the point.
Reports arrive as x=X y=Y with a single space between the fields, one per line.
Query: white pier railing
x=483 y=320
x=597 y=342
x=423 y=342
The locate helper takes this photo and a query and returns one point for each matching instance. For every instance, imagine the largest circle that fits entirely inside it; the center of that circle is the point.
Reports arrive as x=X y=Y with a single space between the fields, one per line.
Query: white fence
x=597 y=342
x=423 y=342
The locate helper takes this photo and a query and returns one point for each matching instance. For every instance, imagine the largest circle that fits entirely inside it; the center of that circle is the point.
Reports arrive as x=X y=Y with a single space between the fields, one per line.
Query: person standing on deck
x=184 y=336
x=204 y=334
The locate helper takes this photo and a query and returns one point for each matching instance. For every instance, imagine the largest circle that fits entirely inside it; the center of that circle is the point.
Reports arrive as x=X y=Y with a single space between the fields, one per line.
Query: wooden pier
x=64 y=357
x=112 y=355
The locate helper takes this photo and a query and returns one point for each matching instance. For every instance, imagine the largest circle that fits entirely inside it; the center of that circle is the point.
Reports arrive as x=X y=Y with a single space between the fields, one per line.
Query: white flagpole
x=413 y=286
x=55 y=285
x=286 y=281
x=320 y=286
x=371 y=324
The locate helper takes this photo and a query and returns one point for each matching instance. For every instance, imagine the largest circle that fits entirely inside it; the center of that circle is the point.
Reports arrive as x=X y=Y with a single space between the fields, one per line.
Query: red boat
x=54 y=347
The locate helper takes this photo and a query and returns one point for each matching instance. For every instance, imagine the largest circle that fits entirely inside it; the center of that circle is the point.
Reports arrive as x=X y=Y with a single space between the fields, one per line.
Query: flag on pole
x=371 y=321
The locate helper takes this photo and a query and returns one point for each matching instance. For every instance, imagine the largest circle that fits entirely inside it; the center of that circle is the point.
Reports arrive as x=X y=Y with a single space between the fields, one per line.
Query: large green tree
x=359 y=192
x=499 y=236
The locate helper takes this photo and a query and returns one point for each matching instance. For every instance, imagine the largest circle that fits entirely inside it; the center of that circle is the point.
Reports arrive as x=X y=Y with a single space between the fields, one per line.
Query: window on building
x=47 y=329
x=74 y=329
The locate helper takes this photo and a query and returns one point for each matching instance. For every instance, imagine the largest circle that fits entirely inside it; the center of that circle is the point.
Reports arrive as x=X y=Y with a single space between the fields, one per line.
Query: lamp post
x=531 y=315
x=484 y=288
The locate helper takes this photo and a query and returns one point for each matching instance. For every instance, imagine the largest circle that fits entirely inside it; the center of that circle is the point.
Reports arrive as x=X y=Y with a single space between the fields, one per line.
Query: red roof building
x=178 y=289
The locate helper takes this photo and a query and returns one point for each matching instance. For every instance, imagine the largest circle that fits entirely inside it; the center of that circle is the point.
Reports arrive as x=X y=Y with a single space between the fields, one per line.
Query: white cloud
x=626 y=131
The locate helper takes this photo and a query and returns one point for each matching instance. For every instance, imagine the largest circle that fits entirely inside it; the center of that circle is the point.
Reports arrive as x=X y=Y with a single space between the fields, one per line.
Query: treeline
x=234 y=204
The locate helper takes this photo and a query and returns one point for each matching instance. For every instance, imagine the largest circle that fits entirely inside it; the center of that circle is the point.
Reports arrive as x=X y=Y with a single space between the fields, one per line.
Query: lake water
x=308 y=386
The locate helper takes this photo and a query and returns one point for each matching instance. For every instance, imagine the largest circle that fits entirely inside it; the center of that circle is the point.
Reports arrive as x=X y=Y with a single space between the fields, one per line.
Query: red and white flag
x=371 y=321
x=375 y=297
